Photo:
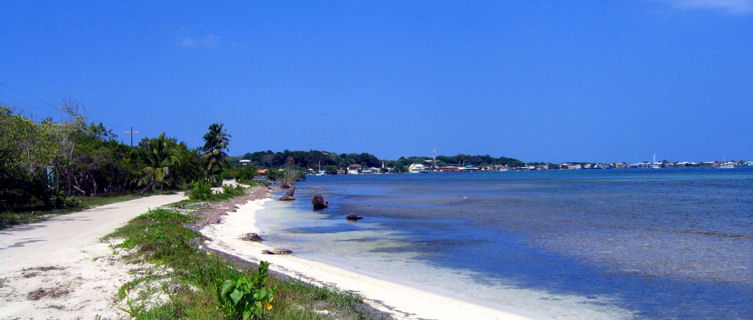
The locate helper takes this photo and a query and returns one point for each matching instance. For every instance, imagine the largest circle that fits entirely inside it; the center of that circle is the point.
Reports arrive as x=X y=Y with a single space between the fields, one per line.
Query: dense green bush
x=201 y=191
x=240 y=173
x=43 y=163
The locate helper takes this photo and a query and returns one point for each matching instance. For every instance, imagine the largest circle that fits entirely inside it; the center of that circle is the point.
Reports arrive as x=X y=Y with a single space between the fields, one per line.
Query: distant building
x=569 y=166
x=501 y=167
x=244 y=162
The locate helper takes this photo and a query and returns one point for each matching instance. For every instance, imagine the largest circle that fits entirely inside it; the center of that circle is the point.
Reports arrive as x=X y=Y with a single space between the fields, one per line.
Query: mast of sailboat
x=435 y=157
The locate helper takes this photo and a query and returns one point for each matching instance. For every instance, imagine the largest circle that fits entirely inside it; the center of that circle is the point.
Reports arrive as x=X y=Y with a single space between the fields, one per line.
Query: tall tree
x=158 y=155
x=216 y=142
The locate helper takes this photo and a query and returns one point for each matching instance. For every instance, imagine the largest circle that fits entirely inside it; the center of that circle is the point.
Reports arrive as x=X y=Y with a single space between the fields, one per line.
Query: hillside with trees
x=331 y=161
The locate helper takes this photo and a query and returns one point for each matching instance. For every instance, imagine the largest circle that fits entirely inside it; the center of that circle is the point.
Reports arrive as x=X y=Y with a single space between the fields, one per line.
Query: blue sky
x=536 y=80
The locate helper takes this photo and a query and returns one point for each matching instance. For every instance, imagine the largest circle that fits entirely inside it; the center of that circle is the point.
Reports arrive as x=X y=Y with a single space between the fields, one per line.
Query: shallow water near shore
x=645 y=244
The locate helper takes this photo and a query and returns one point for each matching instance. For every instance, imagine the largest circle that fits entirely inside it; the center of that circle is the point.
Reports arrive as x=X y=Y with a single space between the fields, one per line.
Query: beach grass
x=195 y=276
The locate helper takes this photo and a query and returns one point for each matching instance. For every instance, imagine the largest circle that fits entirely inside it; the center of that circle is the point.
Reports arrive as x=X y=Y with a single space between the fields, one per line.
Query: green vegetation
x=310 y=159
x=243 y=174
x=10 y=218
x=330 y=161
x=53 y=167
x=201 y=285
x=216 y=142
x=202 y=191
x=247 y=298
x=401 y=165
x=91 y=202
x=159 y=155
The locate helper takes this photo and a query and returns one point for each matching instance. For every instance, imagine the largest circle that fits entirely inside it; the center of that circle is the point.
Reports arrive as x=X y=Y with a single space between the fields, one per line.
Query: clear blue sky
x=536 y=80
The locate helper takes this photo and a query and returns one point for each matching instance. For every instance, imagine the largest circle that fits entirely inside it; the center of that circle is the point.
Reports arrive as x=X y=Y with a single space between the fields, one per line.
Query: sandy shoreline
x=402 y=302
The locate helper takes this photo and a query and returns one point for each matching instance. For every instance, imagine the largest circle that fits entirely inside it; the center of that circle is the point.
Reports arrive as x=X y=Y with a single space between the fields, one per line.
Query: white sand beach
x=403 y=302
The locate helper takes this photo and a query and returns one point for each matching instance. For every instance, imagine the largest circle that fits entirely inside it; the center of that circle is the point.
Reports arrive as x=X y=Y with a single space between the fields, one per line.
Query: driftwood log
x=280 y=251
x=288 y=196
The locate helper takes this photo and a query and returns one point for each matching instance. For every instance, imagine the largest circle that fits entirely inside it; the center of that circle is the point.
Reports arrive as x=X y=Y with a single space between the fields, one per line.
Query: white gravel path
x=64 y=255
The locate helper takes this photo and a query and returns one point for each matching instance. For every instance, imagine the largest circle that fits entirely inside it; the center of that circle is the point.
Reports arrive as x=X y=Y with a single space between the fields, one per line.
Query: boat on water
x=416 y=168
x=654 y=164
x=727 y=165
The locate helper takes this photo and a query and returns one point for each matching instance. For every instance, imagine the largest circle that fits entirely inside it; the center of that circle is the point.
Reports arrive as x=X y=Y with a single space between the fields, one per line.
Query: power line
x=16 y=96
x=29 y=95
x=21 y=105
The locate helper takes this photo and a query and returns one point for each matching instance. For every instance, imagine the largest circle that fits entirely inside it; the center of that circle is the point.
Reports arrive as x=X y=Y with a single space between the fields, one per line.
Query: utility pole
x=131 y=132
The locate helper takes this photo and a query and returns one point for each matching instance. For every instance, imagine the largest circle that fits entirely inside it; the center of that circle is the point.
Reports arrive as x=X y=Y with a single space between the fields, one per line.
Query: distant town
x=327 y=163
x=428 y=168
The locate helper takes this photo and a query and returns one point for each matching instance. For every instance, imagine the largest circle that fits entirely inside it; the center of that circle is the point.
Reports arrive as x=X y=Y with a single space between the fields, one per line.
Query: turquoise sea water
x=636 y=243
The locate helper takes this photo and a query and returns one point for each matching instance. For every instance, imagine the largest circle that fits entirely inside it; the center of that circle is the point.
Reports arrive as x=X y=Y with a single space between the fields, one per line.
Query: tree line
x=461 y=160
x=44 y=164
x=310 y=159
x=331 y=161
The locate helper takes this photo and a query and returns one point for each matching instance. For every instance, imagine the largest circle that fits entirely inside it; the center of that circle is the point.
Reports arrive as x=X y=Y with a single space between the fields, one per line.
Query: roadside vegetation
x=197 y=284
x=60 y=166
x=10 y=218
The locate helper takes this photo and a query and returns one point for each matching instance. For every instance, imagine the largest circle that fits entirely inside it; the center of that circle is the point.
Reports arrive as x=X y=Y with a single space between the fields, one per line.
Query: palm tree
x=216 y=141
x=158 y=154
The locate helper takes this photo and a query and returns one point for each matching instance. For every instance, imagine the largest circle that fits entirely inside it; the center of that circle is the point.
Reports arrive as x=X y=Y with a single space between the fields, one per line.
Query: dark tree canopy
x=312 y=159
x=216 y=142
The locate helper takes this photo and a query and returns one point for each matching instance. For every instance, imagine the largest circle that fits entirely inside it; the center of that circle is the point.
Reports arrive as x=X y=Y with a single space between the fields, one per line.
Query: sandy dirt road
x=66 y=252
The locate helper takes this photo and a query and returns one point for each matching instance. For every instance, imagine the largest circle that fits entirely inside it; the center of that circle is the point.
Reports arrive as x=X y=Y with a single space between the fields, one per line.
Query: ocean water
x=632 y=244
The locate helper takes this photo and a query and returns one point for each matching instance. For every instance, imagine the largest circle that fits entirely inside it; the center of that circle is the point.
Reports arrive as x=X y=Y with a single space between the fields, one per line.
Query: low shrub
x=201 y=191
x=247 y=298
x=63 y=202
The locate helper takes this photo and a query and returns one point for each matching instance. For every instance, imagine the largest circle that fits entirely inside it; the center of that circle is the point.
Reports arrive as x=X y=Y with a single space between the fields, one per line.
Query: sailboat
x=654 y=164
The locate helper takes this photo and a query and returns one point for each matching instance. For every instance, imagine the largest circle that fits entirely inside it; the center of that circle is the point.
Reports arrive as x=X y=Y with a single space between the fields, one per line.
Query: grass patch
x=91 y=202
x=11 y=218
x=160 y=237
x=123 y=290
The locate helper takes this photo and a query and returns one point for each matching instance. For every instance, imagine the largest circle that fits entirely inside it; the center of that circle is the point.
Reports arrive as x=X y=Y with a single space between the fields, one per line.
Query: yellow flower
x=269 y=306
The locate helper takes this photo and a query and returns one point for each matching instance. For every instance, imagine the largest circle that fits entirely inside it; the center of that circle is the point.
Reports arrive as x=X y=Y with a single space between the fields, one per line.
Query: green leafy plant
x=201 y=191
x=245 y=297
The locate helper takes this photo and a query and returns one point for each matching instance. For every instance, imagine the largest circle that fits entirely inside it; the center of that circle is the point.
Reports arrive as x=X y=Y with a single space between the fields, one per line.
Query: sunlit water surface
x=644 y=244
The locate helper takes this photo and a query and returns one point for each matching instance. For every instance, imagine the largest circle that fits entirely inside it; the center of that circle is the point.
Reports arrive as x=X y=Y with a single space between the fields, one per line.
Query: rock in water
x=252 y=237
x=288 y=196
x=319 y=202
x=286 y=184
x=280 y=251
x=353 y=217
